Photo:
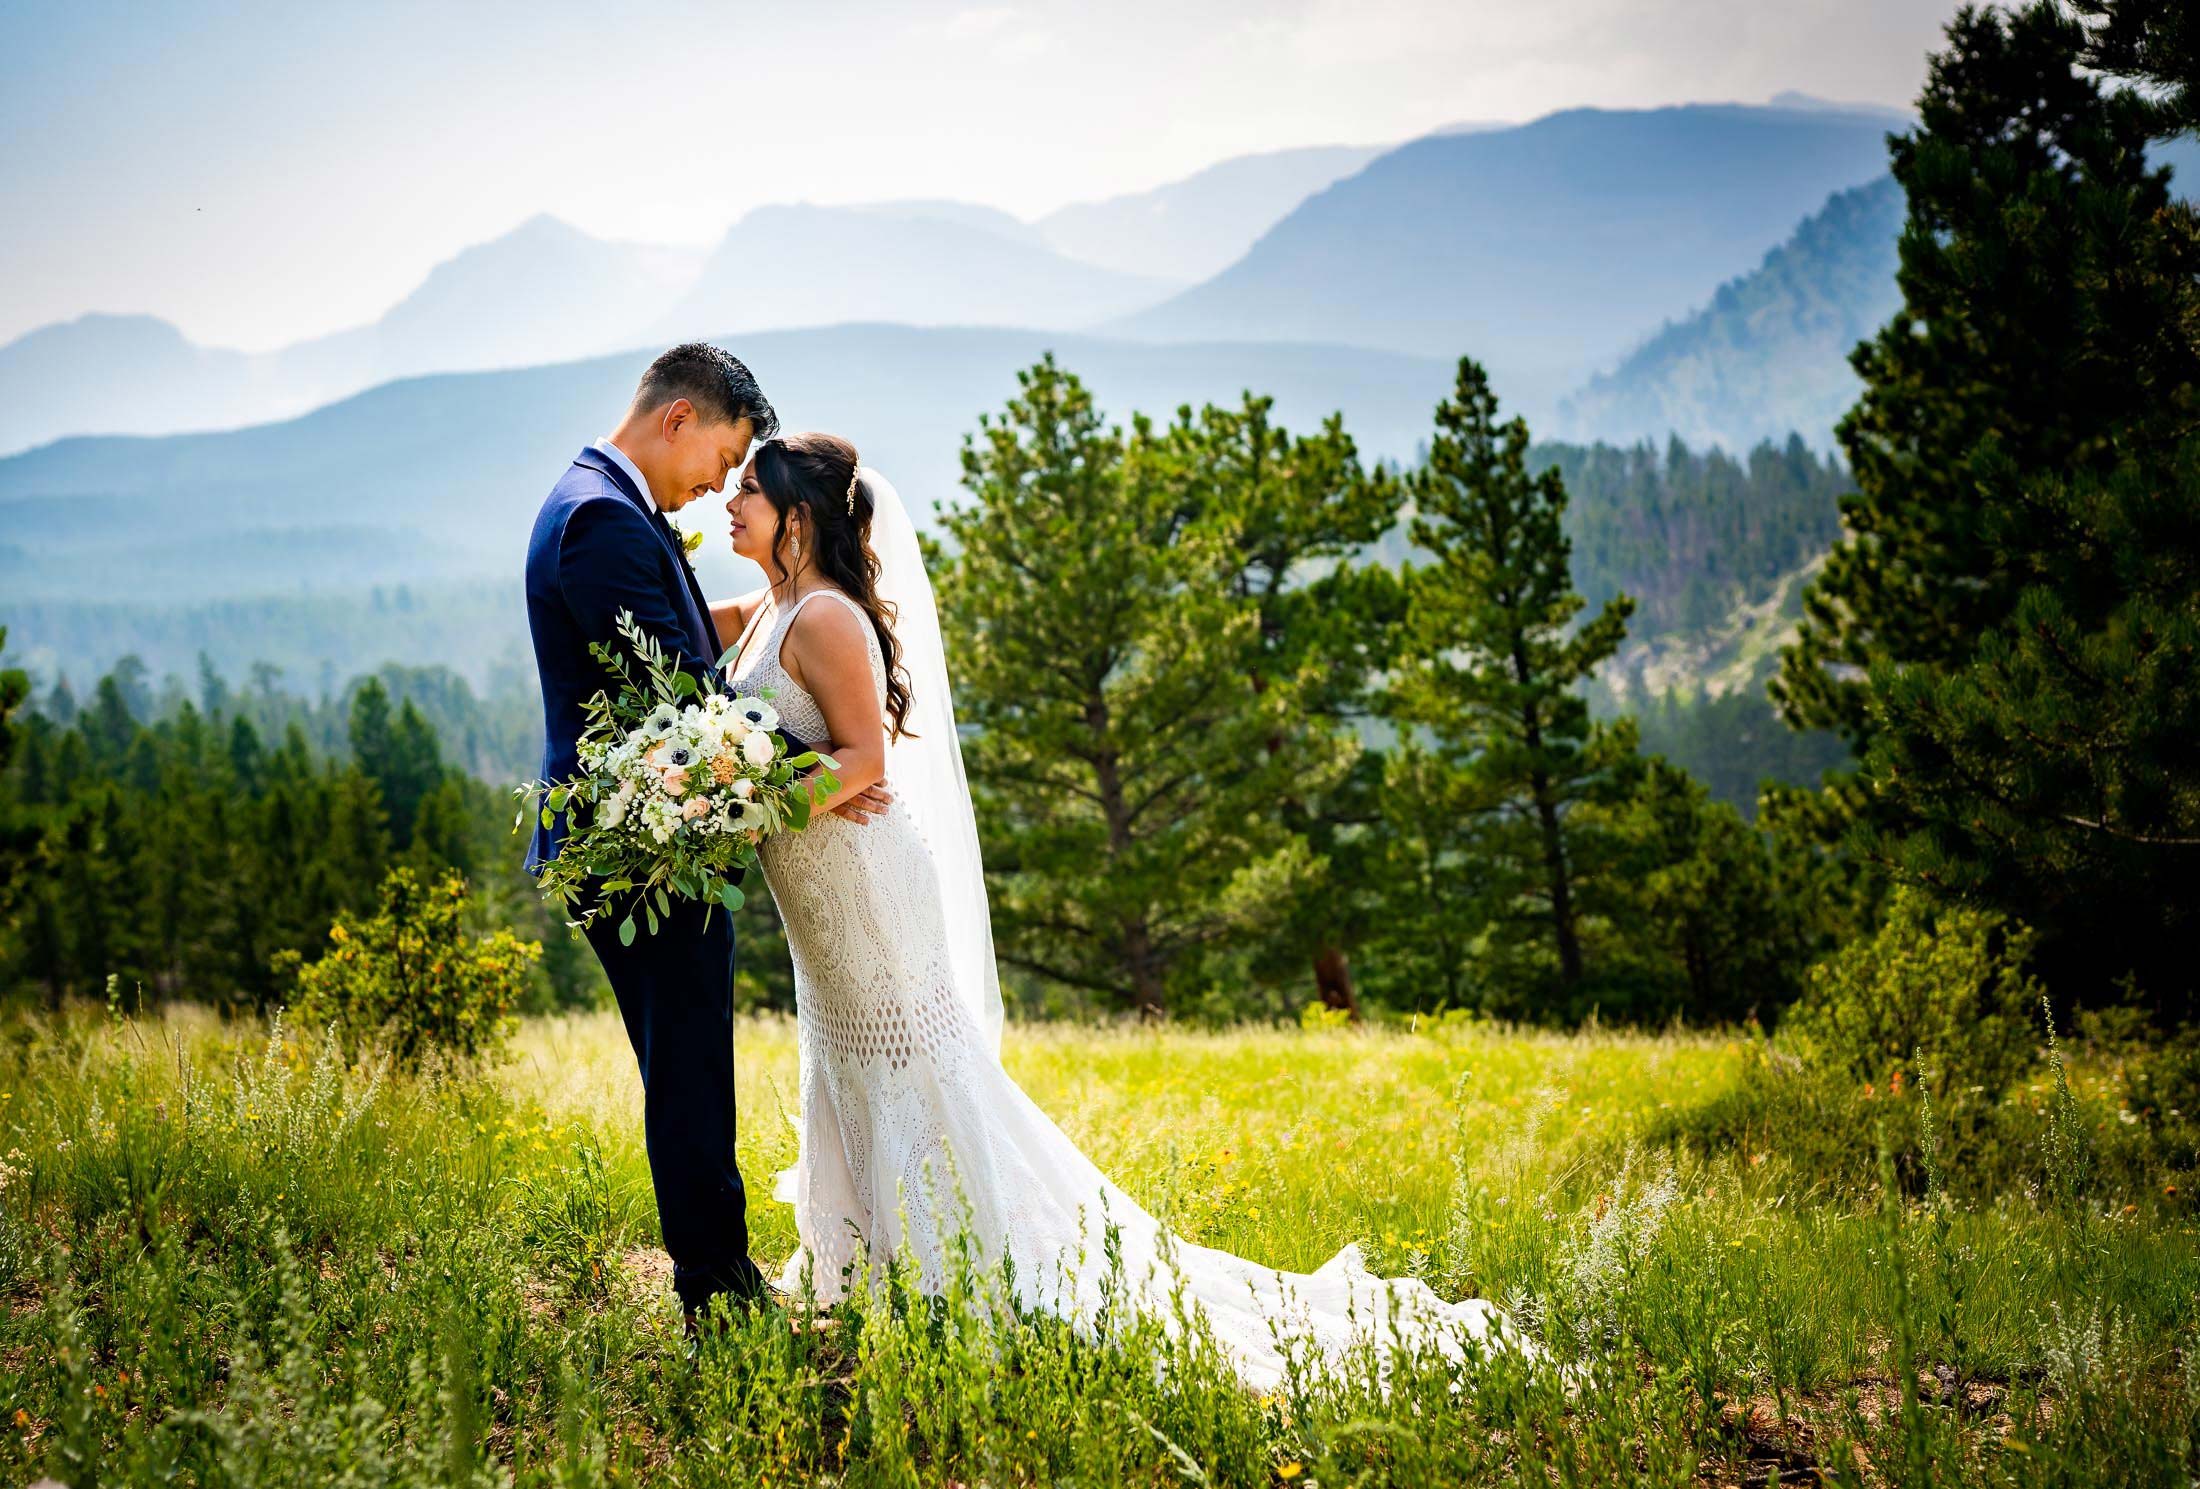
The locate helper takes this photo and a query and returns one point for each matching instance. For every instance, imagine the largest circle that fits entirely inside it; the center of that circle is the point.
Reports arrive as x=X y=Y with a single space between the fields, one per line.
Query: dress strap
x=826 y=589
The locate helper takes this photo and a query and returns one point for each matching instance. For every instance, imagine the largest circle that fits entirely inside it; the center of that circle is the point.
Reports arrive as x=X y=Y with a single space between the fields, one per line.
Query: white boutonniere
x=690 y=542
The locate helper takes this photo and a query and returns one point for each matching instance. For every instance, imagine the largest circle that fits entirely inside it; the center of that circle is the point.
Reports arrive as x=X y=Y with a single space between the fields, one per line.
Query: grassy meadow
x=232 y=1259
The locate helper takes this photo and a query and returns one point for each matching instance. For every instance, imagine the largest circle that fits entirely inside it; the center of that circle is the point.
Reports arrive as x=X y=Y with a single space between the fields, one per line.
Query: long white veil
x=924 y=767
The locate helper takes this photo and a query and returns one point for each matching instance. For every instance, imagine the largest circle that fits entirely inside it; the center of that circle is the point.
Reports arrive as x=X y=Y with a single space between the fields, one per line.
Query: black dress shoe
x=694 y=1321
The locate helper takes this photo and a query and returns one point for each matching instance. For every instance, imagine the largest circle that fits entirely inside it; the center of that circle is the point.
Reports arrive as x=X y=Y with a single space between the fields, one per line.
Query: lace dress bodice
x=910 y=1126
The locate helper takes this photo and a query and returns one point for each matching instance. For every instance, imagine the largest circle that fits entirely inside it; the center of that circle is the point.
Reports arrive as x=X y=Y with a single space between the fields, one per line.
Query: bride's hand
x=871 y=801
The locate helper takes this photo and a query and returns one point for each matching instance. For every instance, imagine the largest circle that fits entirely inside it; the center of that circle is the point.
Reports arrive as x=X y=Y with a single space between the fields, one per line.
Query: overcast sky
x=258 y=172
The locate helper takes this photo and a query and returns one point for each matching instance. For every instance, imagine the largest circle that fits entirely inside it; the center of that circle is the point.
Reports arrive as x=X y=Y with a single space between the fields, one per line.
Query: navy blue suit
x=600 y=547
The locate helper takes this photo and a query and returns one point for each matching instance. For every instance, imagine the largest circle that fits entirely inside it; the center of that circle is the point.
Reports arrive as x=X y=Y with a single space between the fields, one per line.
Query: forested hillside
x=1769 y=354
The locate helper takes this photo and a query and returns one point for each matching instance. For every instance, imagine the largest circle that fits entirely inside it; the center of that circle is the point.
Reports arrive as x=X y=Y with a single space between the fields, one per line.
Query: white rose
x=757 y=749
x=742 y=787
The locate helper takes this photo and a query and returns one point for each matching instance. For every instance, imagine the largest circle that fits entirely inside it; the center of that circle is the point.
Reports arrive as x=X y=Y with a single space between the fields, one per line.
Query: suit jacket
x=599 y=547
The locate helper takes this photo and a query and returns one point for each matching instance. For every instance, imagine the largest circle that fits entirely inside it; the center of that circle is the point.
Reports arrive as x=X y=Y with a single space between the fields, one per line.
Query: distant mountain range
x=543 y=292
x=433 y=480
x=1543 y=251
x=918 y=263
x=1547 y=249
x=125 y=372
x=547 y=292
x=1769 y=354
x=1199 y=226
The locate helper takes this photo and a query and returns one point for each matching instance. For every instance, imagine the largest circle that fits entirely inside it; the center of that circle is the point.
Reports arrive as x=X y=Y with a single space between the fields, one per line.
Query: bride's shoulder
x=829 y=632
x=829 y=614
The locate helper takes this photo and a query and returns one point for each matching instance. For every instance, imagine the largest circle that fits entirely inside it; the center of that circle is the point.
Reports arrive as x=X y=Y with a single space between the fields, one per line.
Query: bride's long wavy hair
x=814 y=472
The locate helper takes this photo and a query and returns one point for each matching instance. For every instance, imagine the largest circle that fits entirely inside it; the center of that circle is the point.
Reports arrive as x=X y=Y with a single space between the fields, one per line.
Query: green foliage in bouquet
x=679 y=782
x=410 y=976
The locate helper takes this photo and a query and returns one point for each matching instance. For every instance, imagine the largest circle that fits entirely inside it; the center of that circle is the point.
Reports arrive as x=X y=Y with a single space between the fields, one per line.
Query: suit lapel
x=705 y=631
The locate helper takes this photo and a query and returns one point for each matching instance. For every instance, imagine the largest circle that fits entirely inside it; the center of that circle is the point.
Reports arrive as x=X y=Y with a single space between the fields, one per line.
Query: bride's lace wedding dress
x=910 y=1126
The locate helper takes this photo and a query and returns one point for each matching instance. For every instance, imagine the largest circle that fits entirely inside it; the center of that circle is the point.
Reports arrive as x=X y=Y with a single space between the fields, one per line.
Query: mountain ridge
x=1542 y=250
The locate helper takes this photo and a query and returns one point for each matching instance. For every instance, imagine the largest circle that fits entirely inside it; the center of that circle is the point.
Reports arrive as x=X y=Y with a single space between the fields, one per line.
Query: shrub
x=1949 y=981
x=411 y=976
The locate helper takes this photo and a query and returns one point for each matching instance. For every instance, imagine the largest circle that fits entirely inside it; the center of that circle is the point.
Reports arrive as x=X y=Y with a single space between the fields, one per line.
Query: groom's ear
x=677 y=415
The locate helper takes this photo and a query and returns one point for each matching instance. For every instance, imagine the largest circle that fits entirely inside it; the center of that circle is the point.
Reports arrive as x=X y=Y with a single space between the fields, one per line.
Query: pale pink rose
x=694 y=807
x=675 y=782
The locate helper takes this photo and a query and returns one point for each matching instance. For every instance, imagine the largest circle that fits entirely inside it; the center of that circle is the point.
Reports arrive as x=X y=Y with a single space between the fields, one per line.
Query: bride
x=910 y=1126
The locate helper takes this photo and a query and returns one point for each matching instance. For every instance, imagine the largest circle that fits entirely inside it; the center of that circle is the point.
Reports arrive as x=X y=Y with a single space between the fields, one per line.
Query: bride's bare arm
x=827 y=653
x=731 y=617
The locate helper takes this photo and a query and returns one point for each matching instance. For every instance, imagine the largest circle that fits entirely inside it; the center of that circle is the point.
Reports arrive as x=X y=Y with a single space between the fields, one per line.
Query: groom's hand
x=871 y=801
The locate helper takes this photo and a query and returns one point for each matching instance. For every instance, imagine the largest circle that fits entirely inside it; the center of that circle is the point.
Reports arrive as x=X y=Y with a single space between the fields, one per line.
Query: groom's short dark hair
x=722 y=389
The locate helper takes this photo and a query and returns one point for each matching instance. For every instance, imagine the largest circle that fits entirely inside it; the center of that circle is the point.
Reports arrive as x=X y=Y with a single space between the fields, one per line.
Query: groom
x=602 y=545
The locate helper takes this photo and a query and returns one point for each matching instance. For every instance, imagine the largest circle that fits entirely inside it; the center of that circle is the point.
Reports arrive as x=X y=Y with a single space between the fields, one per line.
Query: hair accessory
x=851 y=493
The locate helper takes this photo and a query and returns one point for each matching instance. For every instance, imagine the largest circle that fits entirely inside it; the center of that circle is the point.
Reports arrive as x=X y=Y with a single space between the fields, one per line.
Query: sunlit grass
x=229 y=1260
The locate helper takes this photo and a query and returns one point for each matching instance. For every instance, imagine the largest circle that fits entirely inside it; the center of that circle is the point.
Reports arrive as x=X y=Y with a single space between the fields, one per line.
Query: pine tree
x=2015 y=601
x=1700 y=918
x=1292 y=514
x=2045 y=288
x=1491 y=671
x=60 y=705
x=372 y=735
x=109 y=725
x=415 y=770
x=1122 y=715
x=2156 y=42
x=2056 y=778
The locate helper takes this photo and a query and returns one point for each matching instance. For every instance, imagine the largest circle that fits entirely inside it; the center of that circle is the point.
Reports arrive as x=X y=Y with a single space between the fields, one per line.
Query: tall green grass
x=230 y=1258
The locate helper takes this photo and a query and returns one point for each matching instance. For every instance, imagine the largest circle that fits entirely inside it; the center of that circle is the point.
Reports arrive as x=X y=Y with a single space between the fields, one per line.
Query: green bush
x=1947 y=981
x=412 y=977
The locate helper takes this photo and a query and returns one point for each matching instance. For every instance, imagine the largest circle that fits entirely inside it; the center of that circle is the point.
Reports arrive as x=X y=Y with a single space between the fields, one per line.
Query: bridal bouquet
x=679 y=782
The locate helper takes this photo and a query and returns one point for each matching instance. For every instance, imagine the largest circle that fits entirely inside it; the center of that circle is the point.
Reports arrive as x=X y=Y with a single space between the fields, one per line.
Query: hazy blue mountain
x=543 y=292
x=1543 y=250
x=1199 y=226
x=1769 y=354
x=919 y=264
x=968 y=214
x=117 y=372
x=1892 y=118
x=109 y=544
